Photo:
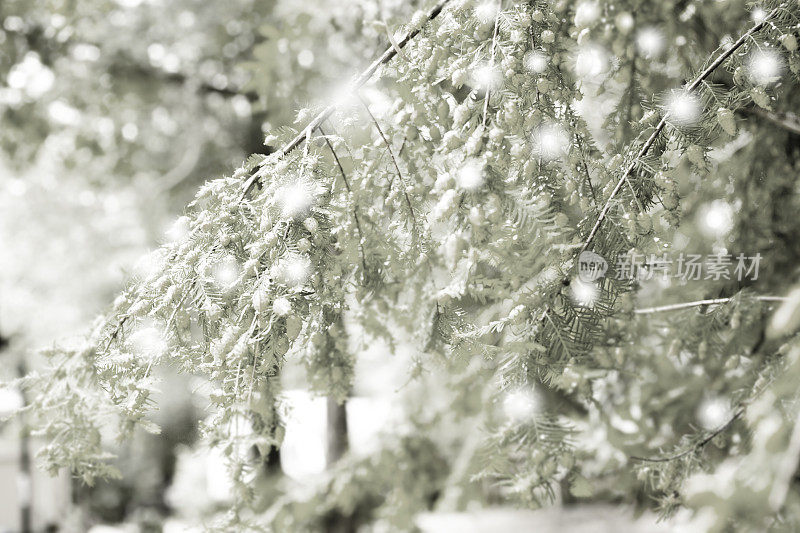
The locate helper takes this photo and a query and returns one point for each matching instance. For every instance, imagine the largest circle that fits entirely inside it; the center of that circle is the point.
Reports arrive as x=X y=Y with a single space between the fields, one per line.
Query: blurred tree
x=122 y=93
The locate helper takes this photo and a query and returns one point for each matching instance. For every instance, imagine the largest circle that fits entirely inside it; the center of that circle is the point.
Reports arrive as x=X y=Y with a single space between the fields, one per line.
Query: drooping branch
x=359 y=82
x=662 y=124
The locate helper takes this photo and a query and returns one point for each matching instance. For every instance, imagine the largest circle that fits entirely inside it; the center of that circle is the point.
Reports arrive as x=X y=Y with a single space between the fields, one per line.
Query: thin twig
x=739 y=412
x=336 y=158
x=652 y=139
x=347 y=186
x=580 y=144
x=588 y=179
x=362 y=78
x=394 y=161
x=698 y=303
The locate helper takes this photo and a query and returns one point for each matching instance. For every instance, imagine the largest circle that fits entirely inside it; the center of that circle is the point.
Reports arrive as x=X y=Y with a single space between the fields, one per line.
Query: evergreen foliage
x=455 y=216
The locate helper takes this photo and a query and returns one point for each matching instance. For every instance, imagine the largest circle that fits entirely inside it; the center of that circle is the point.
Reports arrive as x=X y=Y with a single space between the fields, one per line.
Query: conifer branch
x=648 y=144
x=662 y=124
x=359 y=82
x=698 y=303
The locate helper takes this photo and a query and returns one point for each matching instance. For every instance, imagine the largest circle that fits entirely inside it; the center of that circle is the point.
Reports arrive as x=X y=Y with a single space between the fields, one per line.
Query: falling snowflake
x=486 y=77
x=344 y=96
x=305 y=58
x=226 y=272
x=148 y=341
x=293 y=270
x=758 y=15
x=624 y=22
x=295 y=198
x=713 y=413
x=536 y=61
x=764 y=67
x=281 y=306
x=716 y=218
x=380 y=105
x=683 y=108
x=586 y=14
x=31 y=75
x=10 y=401
x=584 y=293
x=650 y=42
x=521 y=404
x=591 y=62
x=471 y=175
x=487 y=11
x=550 y=141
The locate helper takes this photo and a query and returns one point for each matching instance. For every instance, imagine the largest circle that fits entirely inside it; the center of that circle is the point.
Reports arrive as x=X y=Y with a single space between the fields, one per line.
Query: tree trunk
x=337 y=443
x=24 y=485
x=24 y=476
x=336 y=446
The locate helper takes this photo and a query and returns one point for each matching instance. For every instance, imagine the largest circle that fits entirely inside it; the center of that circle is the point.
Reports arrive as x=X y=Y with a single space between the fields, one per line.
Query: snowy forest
x=341 y=266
